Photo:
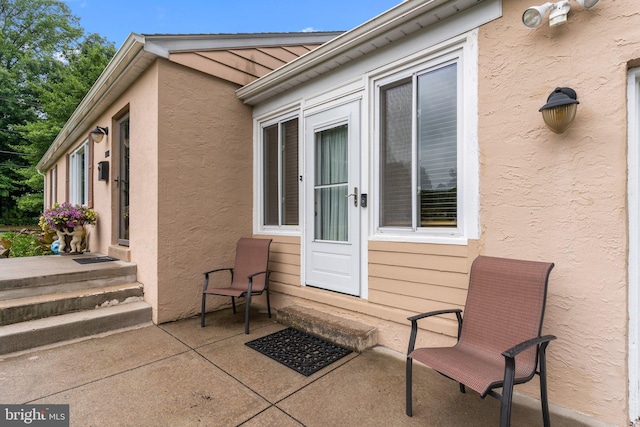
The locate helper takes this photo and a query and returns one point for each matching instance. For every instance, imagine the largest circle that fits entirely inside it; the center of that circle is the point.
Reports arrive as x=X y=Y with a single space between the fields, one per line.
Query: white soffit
x=399 y=22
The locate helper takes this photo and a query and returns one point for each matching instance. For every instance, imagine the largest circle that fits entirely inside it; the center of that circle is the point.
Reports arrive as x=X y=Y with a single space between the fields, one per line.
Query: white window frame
x=463 y=51
x=260 y=126
x=79 y=164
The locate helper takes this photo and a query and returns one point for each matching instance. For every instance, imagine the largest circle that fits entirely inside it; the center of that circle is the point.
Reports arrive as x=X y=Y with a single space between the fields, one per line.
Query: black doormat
x=304 y=353
x=94 y=260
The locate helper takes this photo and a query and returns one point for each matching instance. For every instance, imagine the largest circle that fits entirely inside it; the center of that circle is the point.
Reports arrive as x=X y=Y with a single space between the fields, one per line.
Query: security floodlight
x=533 y=16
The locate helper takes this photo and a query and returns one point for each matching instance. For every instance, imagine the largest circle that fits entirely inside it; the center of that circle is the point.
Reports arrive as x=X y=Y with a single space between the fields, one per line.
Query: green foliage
x=22 y=244
x=47 y=65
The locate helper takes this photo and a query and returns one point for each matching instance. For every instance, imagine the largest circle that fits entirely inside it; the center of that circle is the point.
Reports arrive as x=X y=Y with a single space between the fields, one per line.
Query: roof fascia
x=163 y=44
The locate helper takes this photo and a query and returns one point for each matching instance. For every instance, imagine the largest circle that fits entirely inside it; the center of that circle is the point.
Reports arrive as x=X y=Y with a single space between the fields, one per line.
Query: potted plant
x=68 y=220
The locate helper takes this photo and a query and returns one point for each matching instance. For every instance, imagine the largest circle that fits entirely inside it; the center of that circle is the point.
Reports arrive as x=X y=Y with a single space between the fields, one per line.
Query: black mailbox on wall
x=103 y=171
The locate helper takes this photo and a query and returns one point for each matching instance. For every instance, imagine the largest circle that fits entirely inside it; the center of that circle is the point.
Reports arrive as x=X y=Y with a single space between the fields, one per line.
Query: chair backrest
x=252 y=256
x=505 y=306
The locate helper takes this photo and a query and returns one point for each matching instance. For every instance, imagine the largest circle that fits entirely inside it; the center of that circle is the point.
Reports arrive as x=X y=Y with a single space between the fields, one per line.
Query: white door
x=332 y=198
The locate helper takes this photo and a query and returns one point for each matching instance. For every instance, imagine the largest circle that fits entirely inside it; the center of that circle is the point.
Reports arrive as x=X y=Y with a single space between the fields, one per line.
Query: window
x=280 y=173
x=427 y=175
x=53 y=186
x=79 y=175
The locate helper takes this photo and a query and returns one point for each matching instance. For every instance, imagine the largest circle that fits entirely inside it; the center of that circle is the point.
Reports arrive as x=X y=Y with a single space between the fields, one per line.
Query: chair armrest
x=414 y=324
x=206 y=276
x=433 y=313
x=519 y=348
x=251 y=276
x=206 y=273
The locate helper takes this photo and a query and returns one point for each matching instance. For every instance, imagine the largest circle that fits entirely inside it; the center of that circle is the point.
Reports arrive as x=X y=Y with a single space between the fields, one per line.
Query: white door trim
x=633 y=186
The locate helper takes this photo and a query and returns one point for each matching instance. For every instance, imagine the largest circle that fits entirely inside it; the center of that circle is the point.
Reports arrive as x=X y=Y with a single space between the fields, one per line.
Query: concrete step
x=348 y=333
x=40 y=306
x=33 y=276
x=36 y=333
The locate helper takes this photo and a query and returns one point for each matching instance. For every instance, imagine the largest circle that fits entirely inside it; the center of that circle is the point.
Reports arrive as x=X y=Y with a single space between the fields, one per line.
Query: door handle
x=355 y=196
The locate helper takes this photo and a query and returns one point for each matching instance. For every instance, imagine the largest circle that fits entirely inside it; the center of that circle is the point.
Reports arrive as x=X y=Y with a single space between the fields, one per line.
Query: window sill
x=421 y=238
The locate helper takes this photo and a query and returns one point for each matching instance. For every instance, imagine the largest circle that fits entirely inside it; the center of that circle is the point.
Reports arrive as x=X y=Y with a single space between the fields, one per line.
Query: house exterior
x=383 y=162
x=173 y=121
x=431 y=111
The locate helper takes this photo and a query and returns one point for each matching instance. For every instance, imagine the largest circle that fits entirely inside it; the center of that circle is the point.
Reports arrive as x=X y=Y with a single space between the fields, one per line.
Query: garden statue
x=76 y=239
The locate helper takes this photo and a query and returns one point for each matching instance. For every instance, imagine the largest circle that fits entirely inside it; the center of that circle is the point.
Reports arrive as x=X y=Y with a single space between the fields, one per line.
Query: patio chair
x=499 y=342
x=249 y=276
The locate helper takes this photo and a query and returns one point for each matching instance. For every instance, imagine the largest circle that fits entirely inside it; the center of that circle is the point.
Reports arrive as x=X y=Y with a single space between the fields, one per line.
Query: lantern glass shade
x=559 y=118
x=97 y=136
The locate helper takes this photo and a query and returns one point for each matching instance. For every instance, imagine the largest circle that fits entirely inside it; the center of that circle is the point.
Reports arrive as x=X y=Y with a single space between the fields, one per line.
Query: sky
x=115 y=19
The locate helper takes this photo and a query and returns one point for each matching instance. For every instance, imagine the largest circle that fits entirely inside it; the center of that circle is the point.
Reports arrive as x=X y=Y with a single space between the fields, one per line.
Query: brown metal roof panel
x=296 y=50
x=235 y=61
x=213 y=68
x=259 y=57
x=279 y=53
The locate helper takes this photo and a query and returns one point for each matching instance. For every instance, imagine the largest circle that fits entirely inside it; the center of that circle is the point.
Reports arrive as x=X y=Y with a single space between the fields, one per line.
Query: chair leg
x=246 y=316
x=507 y=392
x=409 y=381
x=233 y=303
x=543 y=385
x=204 y=304
x=268 y=304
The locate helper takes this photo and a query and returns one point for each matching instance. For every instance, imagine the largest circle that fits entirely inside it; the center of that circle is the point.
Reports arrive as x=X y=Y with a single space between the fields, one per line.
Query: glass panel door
x=123 y=182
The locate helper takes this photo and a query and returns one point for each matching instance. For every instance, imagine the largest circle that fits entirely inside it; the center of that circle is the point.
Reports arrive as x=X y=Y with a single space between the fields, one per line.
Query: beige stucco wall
x=562 y=198
x=204 y=184
x=190 y=183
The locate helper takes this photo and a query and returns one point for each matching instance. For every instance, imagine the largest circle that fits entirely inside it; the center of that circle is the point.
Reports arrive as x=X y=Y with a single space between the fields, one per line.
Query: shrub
x=23 y=243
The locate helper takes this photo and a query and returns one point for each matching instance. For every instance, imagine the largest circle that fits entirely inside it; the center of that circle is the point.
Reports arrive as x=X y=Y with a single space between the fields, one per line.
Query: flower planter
x=69 y=223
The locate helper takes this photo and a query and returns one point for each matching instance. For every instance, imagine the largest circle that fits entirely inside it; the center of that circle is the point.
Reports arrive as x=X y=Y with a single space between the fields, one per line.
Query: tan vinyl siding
x=419 y=277
x=404 y=279
x=284 y=260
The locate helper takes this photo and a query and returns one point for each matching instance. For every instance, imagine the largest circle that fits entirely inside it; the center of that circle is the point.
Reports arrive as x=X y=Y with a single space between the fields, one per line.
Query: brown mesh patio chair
x=499 y=342
x=249 y=276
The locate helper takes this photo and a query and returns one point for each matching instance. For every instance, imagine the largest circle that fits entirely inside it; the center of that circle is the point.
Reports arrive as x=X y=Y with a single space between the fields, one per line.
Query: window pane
x=331 y=156
x=395 y=155
x=78 y=184
x=437 y=147
x=332 y=171
x=290 y=172
x=270 y=139
x=82 y=162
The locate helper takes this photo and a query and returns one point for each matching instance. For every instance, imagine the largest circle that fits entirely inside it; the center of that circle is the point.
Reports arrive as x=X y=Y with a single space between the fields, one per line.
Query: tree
x=59 y=96
x=46 y=67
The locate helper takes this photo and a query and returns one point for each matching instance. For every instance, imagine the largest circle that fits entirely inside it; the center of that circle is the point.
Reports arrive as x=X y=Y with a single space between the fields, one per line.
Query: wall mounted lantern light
x=560 y=109
x=98 y=133
x=533 y=16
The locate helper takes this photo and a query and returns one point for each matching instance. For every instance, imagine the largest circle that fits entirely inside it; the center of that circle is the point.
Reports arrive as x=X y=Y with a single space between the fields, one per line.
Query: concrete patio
x=179 y=374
